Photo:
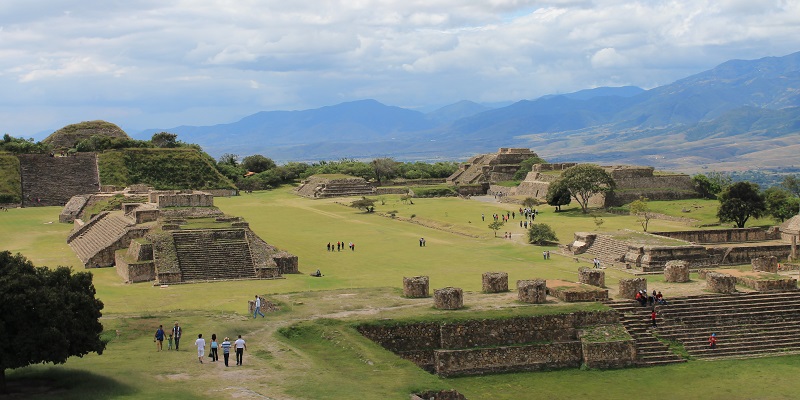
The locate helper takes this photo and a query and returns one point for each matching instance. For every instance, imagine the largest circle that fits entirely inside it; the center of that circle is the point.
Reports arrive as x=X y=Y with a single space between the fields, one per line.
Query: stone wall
x=768 y=285
x=197 y=199
x=144 y=216
x=73 y=208
x=286 y=263
x=537 y=357
x=578 y=294
x=607 y=355
x=52 y=181
x=735 y=235
x=766 y=264
x=655 y=258
x=743 y=254
x=438 y=395
x=134 y=272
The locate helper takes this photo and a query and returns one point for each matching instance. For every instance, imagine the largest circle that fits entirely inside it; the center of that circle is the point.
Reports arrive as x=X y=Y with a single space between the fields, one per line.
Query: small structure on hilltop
x=490 y=168
x=790 y=231
x=323 y=186
x=169 y=236
x=632 y=183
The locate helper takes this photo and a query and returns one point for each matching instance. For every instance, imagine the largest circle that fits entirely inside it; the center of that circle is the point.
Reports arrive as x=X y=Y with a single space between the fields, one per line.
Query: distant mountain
x=720 y=116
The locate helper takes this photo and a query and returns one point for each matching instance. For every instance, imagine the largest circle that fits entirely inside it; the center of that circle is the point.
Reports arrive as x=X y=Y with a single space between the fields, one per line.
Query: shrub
x=541 y=234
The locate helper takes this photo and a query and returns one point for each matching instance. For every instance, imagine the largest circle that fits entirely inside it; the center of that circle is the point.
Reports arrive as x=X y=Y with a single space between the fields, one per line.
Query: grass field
x=310 y=350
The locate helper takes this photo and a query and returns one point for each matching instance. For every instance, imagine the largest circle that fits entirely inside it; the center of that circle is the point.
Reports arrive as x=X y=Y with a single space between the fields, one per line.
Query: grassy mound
x=181 y=168
x=69 y=135
x=10 y=184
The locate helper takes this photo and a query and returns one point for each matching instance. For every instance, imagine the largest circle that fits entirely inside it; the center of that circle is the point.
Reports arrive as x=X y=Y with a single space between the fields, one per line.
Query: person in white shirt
x=257 y=309
x=201 y=347
x=240 y=348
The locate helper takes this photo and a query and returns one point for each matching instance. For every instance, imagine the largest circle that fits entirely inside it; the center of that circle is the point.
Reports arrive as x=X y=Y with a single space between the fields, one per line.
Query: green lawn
x=324 y=358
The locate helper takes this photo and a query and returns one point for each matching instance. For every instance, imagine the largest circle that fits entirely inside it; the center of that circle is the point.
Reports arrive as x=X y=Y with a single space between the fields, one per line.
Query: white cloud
x=193 y=57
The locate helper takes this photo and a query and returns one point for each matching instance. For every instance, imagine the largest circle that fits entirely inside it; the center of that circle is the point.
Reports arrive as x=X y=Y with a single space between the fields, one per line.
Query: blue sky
x=159 y=64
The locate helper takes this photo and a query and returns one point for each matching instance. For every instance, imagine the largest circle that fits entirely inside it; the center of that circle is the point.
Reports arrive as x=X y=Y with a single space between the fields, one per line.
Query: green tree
x=530 y=202
x=541 y=234
x=495 y=226
x=641 y=209
x=711 y=184
x=792 y=184
x=586 y=180
x=229 y=159
x=739 y=202
x=165 y=140
x=364 y=204
x=558 y=195
x=46 y=315
x=527 y=166
x=257 y=163
x=781 y=205
x=384 y=168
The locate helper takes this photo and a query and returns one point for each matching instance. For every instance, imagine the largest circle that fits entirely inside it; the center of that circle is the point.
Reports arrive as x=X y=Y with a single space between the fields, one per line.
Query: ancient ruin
x=495 y=282
x=571 y=292
x=632 y=183
x=325 y=186
x=169 y=237
x=486 y=168
x=591 y=276
x=676 y=271
x=52 y=180
x=629 y=287
x=532 y=291
x=416 y=287
x=449 y=298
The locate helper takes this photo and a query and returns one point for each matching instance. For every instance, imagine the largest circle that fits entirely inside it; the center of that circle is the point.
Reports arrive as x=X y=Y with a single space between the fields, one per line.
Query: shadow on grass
x=37 y=382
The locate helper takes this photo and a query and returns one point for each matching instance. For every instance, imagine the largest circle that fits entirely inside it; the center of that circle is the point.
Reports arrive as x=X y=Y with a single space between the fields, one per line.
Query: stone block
x=765 y=264
x=495 y=282
x=720 y=283
x=416 y=287
x=629 y=287
x=532 y=291
x=591 y=276
x=449 y=298
x=676 y=271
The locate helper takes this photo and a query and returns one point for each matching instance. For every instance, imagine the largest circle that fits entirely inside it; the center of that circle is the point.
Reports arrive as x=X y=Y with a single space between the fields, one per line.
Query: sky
x=159 y=64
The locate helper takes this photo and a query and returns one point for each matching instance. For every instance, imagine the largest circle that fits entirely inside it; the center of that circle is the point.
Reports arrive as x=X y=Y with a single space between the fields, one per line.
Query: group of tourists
x=528 y=213
x=339 y=246
x=239 y=345
x=546 y=254
x=650 y=300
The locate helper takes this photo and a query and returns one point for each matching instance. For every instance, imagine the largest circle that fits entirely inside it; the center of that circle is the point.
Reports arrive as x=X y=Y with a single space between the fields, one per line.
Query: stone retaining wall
x=537 y=357
x=532 y=291
x=198 y=199
x=743 y=254
x=766 y=264
x=735 y=235
x=720 y=283
x=578 y=294
x=768 y=285
x=607 y=355
x=438 y=395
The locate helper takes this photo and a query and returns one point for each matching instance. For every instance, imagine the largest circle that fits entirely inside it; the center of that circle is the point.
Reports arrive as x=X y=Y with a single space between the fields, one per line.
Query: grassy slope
x=163 y=168
x=9 y=176
x=326 y=359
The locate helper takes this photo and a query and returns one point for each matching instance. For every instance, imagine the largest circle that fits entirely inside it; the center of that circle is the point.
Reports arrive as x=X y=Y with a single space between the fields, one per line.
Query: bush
x=541 y=234
x=435 y=192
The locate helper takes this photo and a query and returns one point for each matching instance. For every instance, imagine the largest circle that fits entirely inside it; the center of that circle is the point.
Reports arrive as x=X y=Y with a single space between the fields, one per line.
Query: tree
x=739 y=202
x=530 y=202
x=495 y=226
x=586 y=180
x=364 y=204
x=541 y=234
x=229 y=159
x=792 y=184
x=558 y=195
x=383 y=168
x=165 y=139
x=257 y=163
x=45 y=315
x=710 y=185
x=527 y=166
x=641 y=209
x=780 y=203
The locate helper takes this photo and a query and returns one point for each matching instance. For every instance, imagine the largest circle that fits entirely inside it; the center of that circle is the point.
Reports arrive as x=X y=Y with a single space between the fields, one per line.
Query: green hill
x=179 y=168
x=10 y=183
x=70 y=135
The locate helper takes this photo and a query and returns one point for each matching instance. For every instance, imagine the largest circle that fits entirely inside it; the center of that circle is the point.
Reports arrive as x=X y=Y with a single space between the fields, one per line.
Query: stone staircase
x=213 y=255
x=52 y=181
x=636 y=320
x=747 y=324
x=100 y=233
x=608 y=249
x=474 y=172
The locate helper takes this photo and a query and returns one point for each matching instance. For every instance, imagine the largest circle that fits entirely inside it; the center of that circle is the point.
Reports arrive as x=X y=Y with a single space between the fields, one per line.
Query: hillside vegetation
x=70 y=135
x=10 y=184
x=177 y=168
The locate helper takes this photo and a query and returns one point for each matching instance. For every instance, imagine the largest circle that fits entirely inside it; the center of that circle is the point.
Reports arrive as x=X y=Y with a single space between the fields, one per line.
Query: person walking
x=240 y=346
x=201 y=347
x=712 y=341
x=653 y=318
x=176 y=333
x=214 y=346
x=257 y=308
x=226 y=349
x=159 y=338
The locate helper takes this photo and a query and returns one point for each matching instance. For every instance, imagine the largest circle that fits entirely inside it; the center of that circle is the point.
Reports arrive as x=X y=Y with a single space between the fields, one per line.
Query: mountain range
x=738 y=115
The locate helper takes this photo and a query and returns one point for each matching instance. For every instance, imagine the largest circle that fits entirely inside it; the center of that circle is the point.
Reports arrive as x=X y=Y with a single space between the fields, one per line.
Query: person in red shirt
x=712 y=341
x=653 y=317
